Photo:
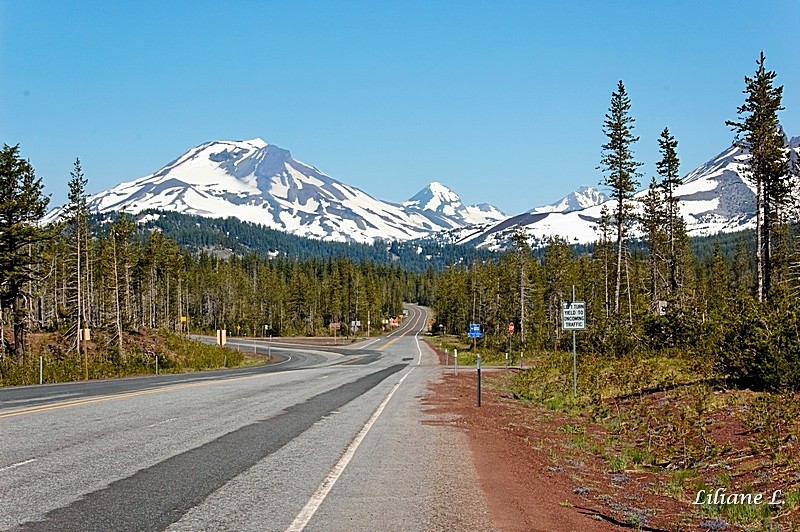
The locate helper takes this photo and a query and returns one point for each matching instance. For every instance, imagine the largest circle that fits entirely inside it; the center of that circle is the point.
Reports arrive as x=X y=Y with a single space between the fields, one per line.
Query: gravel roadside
x=522 y=490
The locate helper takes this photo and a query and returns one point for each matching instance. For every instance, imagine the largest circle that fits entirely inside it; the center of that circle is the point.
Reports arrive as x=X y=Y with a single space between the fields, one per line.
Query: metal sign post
x=573 y=317
x=479 y=379
x=574 y=368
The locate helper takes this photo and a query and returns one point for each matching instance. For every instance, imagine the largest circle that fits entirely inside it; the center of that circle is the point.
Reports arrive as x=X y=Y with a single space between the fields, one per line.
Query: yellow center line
x=396 y=338
x=162 y=389
x=390 y=342
x=125 y=395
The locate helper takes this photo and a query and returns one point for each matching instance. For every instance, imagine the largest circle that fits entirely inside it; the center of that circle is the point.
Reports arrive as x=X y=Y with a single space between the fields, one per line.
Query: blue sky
x=501 y=101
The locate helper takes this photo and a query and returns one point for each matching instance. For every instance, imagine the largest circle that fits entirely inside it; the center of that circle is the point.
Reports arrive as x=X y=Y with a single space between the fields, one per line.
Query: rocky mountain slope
x=714 y=198
x=258 y=182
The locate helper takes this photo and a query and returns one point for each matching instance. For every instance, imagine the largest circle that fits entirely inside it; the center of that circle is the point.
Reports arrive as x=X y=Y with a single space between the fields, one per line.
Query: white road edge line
x=37 y=399
x=316 y=500
x=18 y=464
x=416 y=339
x=162 y=422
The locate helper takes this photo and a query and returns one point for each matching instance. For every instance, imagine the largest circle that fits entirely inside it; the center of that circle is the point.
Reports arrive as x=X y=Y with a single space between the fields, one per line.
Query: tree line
x=198 y=233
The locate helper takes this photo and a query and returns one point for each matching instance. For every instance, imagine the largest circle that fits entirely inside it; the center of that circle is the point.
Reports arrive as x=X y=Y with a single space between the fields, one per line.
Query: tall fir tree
x=668 y=169
x=758 y=131
x=603 y=251
x=794 y=220
x=76 y=218
x=618 y=163
x=654 y=221
x=522 y=251
x=22 y=206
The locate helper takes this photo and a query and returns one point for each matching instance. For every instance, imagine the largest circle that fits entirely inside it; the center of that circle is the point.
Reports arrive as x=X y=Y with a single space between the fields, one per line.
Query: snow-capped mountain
x=580 y=199
x=261 y=183
x=444 y=207
x=713 y=198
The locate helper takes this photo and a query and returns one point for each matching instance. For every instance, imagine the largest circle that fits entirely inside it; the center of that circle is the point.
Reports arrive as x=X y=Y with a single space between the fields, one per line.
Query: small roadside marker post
x=506 y=360
x=455 y=354
x=446 y=357
x=40 y=369
x=479 y=380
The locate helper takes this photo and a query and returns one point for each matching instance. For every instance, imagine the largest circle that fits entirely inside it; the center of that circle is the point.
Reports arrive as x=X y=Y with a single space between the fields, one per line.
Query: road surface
x=326 y=439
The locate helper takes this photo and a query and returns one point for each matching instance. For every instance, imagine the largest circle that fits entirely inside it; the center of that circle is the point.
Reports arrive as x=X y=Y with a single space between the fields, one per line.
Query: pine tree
x=76 y=216
x=654 y=221
x=793 y=272
x=617 y=160
x=522 y=251
x=718 y=286
x=603 y=251
x=743 y=268
x=558 y=260
x=668 y=169
x=22 y=206
x=123 y=231
x=758 y=131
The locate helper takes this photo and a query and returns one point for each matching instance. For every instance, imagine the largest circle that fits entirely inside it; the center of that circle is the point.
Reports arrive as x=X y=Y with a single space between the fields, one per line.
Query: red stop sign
x=511 y=328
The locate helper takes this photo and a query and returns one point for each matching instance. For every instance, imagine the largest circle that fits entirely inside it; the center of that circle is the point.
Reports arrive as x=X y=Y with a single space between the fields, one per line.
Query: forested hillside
x=222 y=236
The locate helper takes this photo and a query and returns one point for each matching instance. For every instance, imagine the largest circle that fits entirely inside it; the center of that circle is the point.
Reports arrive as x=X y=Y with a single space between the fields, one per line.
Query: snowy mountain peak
x=580 y=199
x=715 y=198
x=441 y=190
x=435 y=197
x=257 y=142
x=437 y=201
x=259 y=182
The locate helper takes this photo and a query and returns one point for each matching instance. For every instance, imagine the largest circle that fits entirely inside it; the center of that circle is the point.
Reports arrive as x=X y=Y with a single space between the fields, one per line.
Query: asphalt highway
x=323 y=439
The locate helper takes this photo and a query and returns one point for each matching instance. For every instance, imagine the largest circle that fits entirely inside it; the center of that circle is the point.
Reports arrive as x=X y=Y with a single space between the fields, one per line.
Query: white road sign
x=573 y=315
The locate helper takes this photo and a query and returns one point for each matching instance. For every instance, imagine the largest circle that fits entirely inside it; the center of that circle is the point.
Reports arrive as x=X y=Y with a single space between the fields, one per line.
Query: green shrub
x=675 y=330
x=760 y=347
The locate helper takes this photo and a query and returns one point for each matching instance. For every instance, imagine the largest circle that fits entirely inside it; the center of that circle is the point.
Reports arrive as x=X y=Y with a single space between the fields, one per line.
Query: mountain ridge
x=258 y=182
x=262 y=183
x=713 y=198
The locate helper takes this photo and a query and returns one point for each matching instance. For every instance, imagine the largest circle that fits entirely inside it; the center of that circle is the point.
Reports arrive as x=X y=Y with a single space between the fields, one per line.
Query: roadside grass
x=175 y=354
x=762 y=516
x=467 y=356
x=666 y=416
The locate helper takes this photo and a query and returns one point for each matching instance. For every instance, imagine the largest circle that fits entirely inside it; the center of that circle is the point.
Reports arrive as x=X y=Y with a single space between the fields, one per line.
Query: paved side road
x=335 y=446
